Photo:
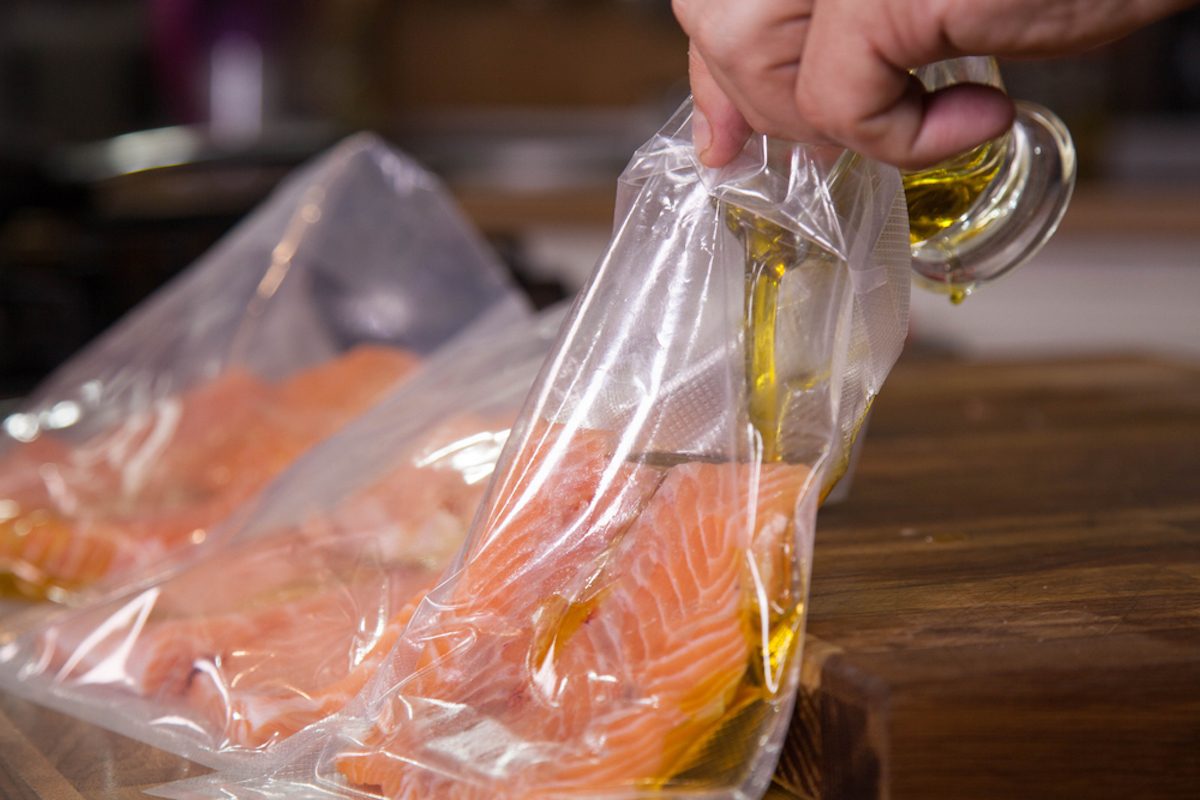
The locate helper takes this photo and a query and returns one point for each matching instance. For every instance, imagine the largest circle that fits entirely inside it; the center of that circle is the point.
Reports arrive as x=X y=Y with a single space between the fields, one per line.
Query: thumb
x=718 y=129
x=950 y=121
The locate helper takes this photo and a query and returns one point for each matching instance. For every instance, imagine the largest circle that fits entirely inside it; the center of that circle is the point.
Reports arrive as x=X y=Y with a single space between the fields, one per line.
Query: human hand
x=838 y=71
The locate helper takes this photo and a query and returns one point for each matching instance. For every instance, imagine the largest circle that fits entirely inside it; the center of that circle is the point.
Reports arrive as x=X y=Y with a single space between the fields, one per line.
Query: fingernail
x=701 y=132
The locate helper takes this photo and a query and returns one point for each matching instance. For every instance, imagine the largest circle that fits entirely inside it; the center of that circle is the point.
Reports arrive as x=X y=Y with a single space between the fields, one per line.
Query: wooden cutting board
x=1007 y=606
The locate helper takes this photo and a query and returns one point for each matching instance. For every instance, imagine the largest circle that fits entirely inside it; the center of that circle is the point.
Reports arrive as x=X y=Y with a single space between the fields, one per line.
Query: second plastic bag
x=232 y=654
x=302 y=318
x=626 y=616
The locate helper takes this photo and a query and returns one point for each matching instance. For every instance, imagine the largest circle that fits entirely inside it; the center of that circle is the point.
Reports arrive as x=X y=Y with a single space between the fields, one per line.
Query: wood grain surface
x=44 y=754
x=1007 y=606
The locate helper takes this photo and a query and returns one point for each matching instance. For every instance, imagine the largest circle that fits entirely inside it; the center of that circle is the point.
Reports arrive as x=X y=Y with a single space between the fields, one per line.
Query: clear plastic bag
x=625 y=619
x=229 y=655
x=295 y=323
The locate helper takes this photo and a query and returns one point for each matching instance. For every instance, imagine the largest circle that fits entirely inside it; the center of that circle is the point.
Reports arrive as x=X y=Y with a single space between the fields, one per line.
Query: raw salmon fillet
x=125 y=497
x=281 y=631
x=262 y=662
x=340 y=389
x=589 y=687
x=305 y=662
x=160 y=479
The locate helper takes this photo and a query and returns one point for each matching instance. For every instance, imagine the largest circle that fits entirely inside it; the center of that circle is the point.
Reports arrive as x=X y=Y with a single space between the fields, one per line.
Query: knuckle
x=722 y=36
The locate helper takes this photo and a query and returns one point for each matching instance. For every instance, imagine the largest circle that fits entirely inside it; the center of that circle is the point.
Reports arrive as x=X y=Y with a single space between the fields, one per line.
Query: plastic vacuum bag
x=295 y=323
x=625 y=619
x=232 y=653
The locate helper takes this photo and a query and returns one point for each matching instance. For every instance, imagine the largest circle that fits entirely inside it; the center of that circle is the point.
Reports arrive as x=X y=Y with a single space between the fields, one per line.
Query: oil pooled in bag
x=719 y=757
x=943 y=194
x=40 y=536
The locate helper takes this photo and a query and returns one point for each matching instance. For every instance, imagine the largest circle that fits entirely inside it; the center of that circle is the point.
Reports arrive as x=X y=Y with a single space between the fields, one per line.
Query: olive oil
x=42 y=535
x=762 y=304
x=17 y=588
x=720 y=755
x=943 y=194
x=558 y=619
x=956 y=293
x=770 y=252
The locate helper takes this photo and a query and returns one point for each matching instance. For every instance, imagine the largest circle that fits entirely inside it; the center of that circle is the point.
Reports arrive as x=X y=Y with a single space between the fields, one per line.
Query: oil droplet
x=783 y=637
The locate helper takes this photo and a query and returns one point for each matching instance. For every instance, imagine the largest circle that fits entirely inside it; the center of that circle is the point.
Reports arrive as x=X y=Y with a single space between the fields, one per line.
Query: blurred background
x=134 y=133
